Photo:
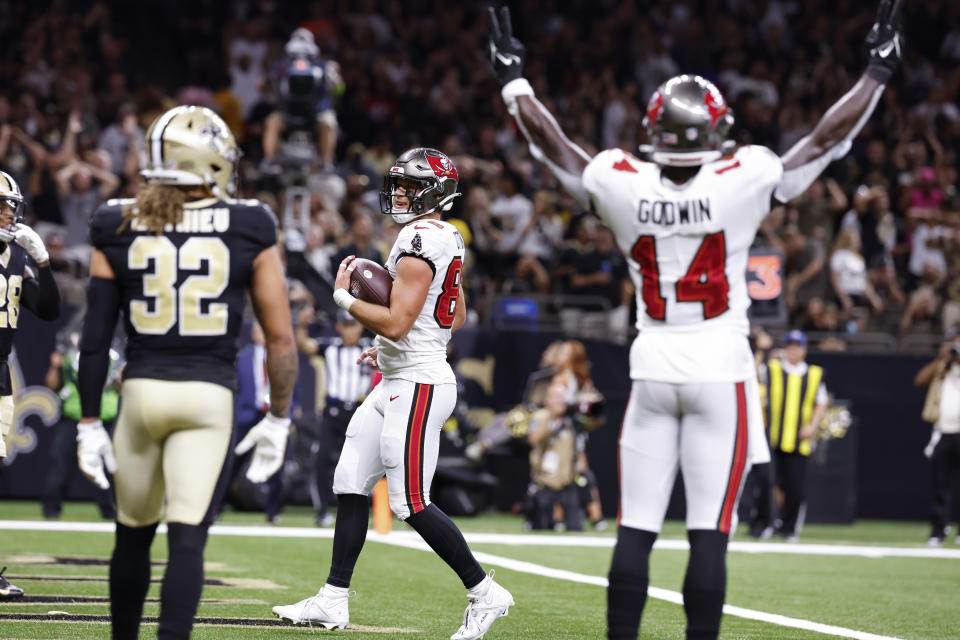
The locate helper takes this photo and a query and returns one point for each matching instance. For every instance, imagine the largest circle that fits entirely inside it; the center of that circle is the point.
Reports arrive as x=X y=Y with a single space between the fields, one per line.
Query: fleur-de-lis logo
x=33 y=400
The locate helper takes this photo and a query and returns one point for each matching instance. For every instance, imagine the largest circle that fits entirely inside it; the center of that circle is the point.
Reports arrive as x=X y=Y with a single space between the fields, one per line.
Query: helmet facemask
x=10 y=197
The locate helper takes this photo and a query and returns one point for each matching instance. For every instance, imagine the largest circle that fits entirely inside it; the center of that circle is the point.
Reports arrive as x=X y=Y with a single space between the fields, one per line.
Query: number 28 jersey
x=182 y=293
x=421 y=354
x=687 y=249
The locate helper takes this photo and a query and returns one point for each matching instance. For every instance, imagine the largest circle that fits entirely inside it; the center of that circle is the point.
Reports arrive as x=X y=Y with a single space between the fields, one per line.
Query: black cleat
x=8 y=591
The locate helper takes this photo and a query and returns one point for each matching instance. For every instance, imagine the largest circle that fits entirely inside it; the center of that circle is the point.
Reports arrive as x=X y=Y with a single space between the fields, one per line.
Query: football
x=370 y=282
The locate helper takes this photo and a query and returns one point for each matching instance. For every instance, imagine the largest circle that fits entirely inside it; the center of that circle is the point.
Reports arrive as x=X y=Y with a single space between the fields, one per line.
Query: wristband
x=515 y=88
x=277 y=421
x=343 y=299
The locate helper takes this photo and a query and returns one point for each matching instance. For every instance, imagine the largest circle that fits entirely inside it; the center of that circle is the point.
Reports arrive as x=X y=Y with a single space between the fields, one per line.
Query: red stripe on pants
x=739 y=462
x=414 y=490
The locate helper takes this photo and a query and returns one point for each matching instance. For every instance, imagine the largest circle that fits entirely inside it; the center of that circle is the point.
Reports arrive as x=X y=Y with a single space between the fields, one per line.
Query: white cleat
x=324 y=610
x=482 y=611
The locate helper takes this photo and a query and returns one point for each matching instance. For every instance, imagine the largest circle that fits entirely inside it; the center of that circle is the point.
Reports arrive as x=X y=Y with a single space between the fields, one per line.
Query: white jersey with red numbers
x=421 y=355
x=687 y=249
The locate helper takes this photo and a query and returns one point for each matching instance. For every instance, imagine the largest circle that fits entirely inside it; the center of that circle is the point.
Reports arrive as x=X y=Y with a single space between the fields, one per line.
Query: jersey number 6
x=705 y=281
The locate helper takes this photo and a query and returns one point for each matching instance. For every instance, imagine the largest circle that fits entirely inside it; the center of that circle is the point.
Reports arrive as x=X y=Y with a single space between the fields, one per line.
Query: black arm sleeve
x=103 y=307
x=41 y=296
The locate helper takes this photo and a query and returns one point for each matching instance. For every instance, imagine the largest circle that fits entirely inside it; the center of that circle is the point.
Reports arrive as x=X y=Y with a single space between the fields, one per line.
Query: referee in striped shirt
x=345 y=385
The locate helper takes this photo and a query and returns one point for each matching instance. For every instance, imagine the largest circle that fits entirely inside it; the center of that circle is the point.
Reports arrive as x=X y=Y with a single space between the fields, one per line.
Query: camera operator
x=554 y=496
x=303 y=129
x=942 y=408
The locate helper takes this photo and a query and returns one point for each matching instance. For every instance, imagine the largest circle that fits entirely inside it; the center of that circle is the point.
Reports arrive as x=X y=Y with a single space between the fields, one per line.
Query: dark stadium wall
x=892 y=478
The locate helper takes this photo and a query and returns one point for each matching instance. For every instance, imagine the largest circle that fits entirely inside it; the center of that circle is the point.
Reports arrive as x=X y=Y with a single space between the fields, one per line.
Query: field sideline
x=870 y=581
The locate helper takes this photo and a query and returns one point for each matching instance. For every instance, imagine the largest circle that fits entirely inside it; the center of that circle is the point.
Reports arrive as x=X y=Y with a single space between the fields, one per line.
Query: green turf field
x=404 y=592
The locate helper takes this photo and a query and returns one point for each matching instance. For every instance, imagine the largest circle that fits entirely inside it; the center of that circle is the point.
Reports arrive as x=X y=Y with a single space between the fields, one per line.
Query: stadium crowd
x=873 y=246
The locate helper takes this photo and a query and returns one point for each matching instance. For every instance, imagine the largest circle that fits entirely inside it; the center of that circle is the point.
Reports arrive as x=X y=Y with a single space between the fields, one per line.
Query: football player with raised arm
x=178 y=261
x=19 y=286
x=685 y=219
x=396 y=430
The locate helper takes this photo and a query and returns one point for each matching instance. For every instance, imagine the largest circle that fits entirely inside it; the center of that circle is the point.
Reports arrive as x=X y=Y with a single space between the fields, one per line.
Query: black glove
x=506 y=52
x=885 y=42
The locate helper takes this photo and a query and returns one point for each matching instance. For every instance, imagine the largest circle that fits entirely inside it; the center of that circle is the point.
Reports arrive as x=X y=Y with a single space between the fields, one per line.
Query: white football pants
x=396 y=431
x=702 y=428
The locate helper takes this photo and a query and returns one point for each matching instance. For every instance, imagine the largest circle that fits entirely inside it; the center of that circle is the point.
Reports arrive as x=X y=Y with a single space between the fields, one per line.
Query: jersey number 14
x=705 y=281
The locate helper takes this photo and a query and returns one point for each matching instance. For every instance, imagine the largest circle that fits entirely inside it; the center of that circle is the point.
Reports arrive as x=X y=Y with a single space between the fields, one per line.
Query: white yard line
x=513 y=539
x=654 y=592
x=411 y=540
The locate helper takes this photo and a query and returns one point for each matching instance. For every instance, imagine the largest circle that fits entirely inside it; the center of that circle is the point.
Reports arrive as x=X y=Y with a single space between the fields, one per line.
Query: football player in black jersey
x=19 y=286
x=177 y=261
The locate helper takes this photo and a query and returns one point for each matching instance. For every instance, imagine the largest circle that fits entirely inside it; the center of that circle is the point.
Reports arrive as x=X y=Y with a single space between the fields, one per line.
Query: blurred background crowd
x=323 y=96
x=873 y=246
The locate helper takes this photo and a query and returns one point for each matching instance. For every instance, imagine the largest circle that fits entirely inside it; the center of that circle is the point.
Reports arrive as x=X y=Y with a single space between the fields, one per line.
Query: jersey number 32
x=166 y=304
x=705 y=281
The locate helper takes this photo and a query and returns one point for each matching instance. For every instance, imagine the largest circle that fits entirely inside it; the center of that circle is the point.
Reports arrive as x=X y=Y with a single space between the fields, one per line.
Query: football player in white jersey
x=685 y=219
x=396 y=431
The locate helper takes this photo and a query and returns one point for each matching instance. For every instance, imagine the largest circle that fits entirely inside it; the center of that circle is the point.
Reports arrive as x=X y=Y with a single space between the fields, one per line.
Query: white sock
x=335 y=592
x=481 y=588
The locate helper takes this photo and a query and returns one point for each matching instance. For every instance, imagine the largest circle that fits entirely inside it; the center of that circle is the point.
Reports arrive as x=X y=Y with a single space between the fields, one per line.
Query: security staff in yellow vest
x=62 y=469
x=796 y=402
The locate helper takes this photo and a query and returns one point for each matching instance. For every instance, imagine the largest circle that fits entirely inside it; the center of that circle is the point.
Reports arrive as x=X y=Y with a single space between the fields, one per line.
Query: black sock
x=183 y=580
x=445 y=539
x=705 y=584
x=628 y=581
x=349 y=534
x=129 y=579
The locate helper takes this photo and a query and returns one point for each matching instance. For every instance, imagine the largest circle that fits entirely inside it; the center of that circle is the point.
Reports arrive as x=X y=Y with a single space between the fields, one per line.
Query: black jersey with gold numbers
x=13 y=265
x=182 y=292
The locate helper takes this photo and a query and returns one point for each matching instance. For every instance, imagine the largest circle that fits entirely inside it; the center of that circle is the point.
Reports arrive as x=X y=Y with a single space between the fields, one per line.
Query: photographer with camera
x=303 y=129
x=942 y=408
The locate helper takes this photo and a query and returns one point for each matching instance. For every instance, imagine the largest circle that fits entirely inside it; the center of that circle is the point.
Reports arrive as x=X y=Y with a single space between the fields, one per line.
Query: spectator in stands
x=541 y=239
x=510 y=213
x=873 y=220
x=805 y=268
x=942 y=408
x=818 y=208
x=81 y=186
x=361 y=242
x=600 y=277
x=848 y=276
x=123 y=140
x=951 y=256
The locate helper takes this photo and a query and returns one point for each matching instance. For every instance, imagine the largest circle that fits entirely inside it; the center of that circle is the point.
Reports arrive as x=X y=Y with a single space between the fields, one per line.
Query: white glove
x=32 y=242
x=94 y=451
x=7 y=233
x=270 y=437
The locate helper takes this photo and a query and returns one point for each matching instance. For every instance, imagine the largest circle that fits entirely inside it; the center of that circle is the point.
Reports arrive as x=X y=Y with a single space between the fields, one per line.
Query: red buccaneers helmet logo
x=442 y=167
x=716 y=107
x=654 y=106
